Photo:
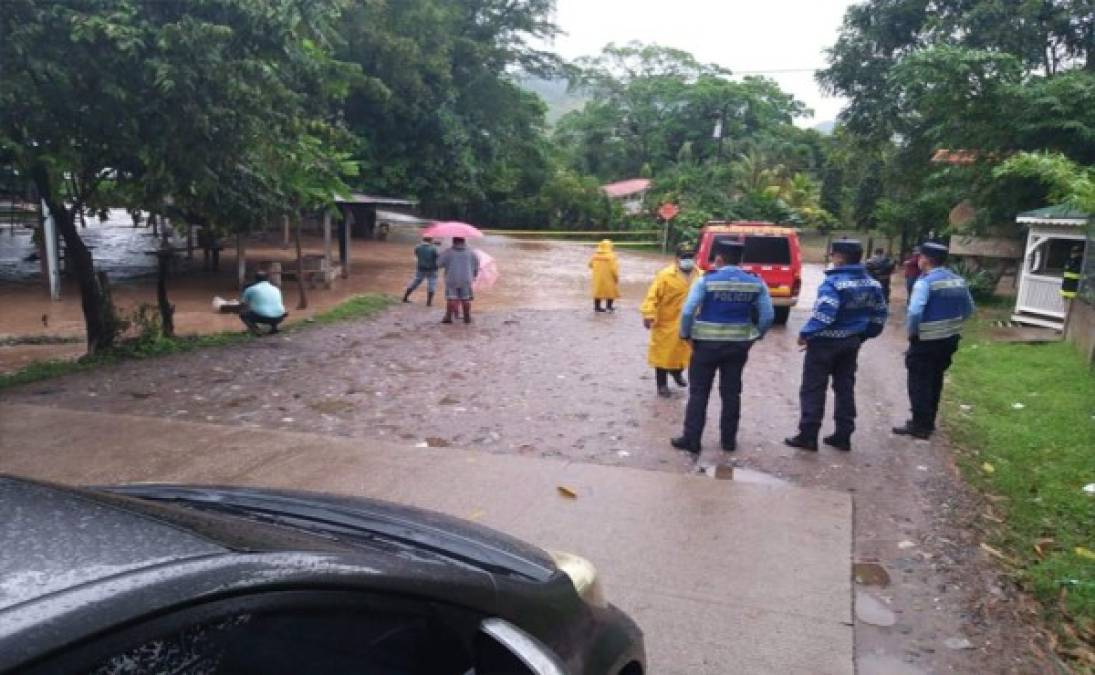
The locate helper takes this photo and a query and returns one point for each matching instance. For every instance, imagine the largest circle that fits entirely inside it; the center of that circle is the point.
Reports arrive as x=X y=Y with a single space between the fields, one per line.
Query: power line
x=774 y=71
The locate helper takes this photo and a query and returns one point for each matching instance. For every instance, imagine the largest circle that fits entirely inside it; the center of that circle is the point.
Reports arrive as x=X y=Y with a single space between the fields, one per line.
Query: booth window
x=1049 y=258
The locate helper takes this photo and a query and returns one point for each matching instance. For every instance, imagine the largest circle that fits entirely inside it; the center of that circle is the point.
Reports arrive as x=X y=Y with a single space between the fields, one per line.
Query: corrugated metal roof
x=625 y=188
x=1059 y=214
x=361 y=198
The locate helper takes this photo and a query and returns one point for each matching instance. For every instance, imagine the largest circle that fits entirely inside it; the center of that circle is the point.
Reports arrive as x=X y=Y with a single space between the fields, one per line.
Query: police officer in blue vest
x=938 y=307
x=850 y=309
x=727 y=310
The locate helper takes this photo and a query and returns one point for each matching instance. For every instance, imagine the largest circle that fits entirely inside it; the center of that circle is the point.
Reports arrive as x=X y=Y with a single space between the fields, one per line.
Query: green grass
x=357 y=307
x=1032 y=461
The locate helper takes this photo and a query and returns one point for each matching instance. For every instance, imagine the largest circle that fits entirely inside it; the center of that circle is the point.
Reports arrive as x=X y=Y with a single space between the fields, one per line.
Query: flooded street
x=540 y=374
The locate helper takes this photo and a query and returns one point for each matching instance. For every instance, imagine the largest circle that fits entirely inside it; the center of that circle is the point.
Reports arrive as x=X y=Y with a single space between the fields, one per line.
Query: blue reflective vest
x=729 y=300
x=849 y=302
x=948 y=305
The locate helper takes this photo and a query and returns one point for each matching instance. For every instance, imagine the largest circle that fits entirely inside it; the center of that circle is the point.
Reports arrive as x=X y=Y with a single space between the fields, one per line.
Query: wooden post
x=285 y=235
x=274 y=273
x=49 y=237
x=241 y=262
x=326 y=246
x=344 y=248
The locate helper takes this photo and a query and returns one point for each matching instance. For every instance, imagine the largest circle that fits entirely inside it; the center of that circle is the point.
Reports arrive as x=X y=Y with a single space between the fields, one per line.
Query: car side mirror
x=504 y=649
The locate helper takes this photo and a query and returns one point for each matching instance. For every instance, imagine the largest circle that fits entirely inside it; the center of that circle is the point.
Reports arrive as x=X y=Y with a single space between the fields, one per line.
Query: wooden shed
x=1053 y=231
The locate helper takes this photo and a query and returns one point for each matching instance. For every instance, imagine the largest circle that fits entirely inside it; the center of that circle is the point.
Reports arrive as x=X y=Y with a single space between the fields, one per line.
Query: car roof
x=750 y=227
x=54 y=539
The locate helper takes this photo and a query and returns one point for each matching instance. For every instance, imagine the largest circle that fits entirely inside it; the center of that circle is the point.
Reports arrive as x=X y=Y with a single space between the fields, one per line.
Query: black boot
x=661 y=379
x=802 y=442
x=608 y=304
x=910 y=429
x=597 y=306
x=407 y=296
x=466 y=305
x=682 y=443
x=678 y=377
x=839 y=441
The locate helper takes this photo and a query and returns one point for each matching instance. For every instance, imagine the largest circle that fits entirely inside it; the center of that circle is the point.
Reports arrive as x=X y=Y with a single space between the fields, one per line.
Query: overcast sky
x=742 y=35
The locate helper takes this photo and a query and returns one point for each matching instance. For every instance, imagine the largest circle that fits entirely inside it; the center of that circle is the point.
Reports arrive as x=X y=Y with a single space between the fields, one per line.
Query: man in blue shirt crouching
x=262 y=304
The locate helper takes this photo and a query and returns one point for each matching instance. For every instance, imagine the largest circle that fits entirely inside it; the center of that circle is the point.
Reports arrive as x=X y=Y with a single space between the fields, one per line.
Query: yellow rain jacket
x=664 y=302
x=606 y=272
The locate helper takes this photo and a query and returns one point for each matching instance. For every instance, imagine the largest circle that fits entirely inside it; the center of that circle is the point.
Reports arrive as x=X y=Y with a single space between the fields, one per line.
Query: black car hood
x=359 y=522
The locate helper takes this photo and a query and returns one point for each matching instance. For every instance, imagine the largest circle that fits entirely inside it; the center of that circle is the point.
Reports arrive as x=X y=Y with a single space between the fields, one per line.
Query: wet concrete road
x=553 y=379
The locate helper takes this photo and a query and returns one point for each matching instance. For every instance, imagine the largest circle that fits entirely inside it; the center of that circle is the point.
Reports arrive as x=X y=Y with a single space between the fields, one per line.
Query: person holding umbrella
x=606 y=276
x=461 y=267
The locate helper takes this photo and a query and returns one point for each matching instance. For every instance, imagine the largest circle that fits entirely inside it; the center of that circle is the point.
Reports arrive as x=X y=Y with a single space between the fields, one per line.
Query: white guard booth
x=1053 y=231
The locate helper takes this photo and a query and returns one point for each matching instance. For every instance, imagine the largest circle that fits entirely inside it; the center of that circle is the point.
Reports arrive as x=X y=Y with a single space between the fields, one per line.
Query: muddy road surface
x=539 y=373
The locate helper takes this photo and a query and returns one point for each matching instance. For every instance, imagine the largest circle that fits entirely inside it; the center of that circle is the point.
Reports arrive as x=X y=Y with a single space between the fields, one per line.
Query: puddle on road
x=870 y=574
x=741 y=475
x=873 y=611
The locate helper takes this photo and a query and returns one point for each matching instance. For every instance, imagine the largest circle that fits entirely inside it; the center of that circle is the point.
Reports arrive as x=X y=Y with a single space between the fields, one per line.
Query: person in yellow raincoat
x=606 y=276
x=661 y=310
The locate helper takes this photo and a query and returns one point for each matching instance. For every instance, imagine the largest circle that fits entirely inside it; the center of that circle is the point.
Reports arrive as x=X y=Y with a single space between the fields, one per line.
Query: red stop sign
x=668 y=211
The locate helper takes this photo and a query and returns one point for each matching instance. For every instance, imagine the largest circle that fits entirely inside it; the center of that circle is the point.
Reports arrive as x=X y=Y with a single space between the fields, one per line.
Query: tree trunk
x=167 y=310
x=303 y=303
x=100 y=319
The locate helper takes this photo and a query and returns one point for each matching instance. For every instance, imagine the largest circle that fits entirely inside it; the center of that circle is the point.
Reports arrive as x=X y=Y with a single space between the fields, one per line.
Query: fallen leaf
x=477 y=514
x=995 y=553
x=988 y=468
x=1085 y=553
x=567 y=492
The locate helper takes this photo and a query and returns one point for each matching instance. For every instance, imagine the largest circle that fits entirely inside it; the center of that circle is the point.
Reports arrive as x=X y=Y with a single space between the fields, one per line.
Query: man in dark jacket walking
x=881 y=266
x=425 y=255
x=849 y=310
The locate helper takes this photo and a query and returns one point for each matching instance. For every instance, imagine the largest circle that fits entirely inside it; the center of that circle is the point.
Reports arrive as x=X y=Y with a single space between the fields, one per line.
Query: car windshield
x=759 y=249
x=767 y=250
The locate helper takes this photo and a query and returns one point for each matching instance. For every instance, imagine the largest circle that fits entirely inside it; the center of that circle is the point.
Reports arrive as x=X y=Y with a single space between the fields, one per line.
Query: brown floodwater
x=532 y=274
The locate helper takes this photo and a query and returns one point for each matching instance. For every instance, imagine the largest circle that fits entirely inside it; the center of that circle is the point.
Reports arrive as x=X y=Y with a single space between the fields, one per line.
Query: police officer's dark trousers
x=708 y=358
x=825 y=358
x=927 y=361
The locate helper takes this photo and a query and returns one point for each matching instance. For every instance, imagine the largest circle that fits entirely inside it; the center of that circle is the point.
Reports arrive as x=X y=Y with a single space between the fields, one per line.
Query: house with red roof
x=630 y=193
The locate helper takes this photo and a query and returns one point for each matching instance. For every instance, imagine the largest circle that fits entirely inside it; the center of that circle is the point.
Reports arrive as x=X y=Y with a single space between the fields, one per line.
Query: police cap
x=934 y=251
x=848 y=246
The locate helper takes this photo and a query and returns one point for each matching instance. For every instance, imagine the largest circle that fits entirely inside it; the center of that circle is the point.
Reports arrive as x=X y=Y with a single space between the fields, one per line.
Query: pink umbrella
x=488 y=271
x=452 y=228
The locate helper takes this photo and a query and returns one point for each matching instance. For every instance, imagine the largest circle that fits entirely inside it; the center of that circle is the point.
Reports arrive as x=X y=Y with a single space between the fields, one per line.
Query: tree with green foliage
x=988 y=78
x=156 y=100
x=650 y=102
x=439 y=116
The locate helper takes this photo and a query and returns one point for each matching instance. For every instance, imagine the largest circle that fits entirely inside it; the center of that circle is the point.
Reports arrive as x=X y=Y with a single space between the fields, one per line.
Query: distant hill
x=825 y=127
x=559 y=100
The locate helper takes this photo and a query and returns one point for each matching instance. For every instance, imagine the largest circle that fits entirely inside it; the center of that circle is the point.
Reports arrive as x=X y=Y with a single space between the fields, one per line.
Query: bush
x=981 y=282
